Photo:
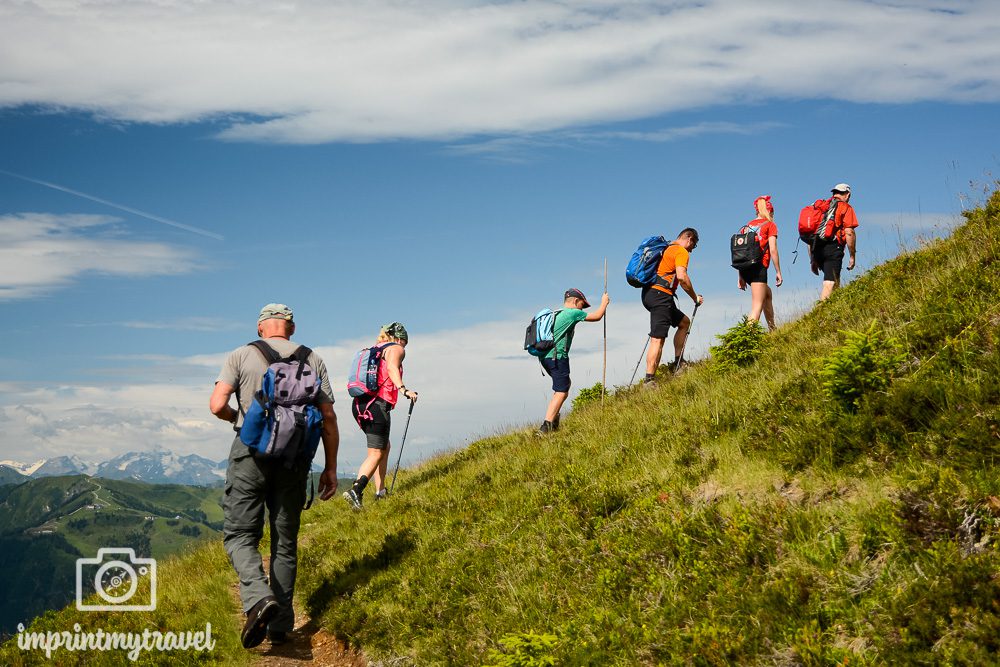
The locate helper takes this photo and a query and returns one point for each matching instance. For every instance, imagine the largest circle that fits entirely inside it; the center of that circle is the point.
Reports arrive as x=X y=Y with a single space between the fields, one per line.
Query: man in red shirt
x=658 y=299
x=836 y=232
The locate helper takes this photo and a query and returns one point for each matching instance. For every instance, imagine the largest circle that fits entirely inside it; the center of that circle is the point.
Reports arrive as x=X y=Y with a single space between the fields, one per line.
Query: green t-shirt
x=562 y=331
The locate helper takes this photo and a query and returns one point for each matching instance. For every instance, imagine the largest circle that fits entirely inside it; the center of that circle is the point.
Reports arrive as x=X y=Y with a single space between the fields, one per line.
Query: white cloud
x=40 y=252
x=317 y=71
x=517 y=148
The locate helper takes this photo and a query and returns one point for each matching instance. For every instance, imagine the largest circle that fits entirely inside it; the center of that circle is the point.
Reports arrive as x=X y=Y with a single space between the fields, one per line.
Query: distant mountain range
x=152 y=467
x=159 y=467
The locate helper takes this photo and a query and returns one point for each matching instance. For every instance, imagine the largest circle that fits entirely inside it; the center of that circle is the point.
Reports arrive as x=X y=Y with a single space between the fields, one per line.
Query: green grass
x=734 y=515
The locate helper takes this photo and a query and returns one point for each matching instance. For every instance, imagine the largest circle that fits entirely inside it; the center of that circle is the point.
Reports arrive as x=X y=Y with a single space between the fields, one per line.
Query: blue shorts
x=559 y=370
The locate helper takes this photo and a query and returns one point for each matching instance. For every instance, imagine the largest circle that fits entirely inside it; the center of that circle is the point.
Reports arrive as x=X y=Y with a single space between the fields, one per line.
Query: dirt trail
x=308 y=644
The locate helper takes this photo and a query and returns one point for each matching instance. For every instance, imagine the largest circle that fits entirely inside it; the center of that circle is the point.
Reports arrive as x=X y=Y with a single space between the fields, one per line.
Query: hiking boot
x=649 y=384
x=381 y=495
x=255 y=629
x=555 y=422
x=277 y=637
x=353 y=498
x=546 y=428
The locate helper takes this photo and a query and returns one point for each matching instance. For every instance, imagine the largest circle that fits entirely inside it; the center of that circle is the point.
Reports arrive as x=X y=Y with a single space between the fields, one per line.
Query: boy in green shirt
x=556 y=362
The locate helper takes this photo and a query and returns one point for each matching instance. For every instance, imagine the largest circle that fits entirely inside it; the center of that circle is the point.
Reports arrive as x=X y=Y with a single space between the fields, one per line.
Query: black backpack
x=745 y=248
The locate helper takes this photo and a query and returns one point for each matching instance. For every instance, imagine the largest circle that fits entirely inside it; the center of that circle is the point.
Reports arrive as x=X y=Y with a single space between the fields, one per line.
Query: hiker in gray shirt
x=254 y=483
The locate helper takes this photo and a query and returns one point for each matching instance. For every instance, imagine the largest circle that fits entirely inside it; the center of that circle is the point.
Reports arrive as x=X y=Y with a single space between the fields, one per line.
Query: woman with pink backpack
x=376 y=382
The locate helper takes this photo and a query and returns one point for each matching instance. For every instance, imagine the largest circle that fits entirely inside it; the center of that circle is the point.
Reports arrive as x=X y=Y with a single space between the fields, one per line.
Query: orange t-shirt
x=673 y=257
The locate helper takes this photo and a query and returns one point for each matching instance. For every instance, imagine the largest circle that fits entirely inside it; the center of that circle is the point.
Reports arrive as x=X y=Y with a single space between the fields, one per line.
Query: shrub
x=866 y=362
x=739 y=346
x=525 y=650
x=588 y=395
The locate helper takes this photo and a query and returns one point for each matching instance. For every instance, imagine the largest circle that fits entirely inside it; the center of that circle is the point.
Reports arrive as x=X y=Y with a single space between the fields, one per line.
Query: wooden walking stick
x=604 y=372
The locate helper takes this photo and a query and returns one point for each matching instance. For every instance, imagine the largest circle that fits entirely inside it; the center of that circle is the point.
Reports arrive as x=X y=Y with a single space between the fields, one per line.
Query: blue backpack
x=362 y=378
x=283 y=421
x=538 y=338
x=641 y=269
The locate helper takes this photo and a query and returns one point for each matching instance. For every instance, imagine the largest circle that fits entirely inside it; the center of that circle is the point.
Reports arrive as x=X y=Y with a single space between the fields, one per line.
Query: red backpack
x=811 y=217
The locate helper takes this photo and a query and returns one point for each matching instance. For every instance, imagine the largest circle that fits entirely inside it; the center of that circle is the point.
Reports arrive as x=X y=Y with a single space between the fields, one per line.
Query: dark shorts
x=663 y=312
x=559 y=370
x=374 y=421
x=755 y=274
x=829 y=257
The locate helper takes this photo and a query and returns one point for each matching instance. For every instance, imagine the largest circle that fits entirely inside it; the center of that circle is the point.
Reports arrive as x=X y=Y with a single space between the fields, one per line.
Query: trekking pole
x=604 y=371
x=641 y=355
x=680 y=357
x=403 y=442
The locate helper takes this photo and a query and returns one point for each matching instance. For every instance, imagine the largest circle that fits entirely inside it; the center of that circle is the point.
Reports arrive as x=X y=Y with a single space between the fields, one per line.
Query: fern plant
x=866 y=362
x=740 y=346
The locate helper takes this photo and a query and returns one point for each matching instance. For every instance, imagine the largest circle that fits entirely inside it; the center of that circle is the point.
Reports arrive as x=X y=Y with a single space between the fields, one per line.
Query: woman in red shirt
x=767 y=235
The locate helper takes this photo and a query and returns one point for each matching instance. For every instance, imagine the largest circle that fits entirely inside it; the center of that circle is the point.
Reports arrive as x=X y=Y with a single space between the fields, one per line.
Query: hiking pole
x=680 y=357
x=641 y=356
x=403 y=442
x=604 y=371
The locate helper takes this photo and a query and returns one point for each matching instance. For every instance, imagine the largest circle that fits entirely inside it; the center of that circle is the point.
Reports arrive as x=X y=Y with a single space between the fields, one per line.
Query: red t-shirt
x=766 y=230
x=844 y=218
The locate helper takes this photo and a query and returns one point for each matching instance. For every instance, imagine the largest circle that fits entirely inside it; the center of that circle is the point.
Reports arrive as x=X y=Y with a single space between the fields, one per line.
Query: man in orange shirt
x=658 y=299
x=835 y=233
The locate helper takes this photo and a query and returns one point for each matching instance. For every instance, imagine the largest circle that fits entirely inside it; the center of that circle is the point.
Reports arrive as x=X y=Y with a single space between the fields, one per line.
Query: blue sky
x=451 y=165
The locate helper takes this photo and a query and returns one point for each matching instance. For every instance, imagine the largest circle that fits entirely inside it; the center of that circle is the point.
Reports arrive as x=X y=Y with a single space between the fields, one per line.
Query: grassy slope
x=732 y=517
x=727 y=517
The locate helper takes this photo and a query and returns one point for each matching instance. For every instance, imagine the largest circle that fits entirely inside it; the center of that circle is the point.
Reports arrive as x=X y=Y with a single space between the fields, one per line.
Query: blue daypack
x=538 y=338
x=283 y=421
x=362 y=378
x=641 y=269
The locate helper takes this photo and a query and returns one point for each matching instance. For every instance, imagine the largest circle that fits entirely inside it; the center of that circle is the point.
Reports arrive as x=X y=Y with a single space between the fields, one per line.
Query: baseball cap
x=573 y=292
x=275 y=311
x=841 y=187
x=396 y=330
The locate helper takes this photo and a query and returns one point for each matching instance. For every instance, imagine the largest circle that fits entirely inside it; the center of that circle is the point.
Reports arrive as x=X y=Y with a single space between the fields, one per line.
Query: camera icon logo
x=124 y=582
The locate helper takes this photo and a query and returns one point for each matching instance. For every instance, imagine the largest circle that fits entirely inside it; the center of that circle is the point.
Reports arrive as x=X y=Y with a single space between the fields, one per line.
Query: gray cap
x=841 y=187
x=275 y=311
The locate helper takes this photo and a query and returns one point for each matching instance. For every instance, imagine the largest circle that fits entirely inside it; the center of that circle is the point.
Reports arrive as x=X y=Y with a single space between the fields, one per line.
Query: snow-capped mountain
x=63 y=465
x=157 y=467
x=23 y=468
x=162 y=468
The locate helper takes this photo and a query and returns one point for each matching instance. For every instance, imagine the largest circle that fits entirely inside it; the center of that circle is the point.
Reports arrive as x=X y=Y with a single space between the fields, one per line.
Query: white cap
x=841 y=187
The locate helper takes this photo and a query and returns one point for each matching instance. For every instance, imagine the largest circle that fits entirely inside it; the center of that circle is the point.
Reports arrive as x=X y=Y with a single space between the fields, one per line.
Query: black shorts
x=374 y=419
x=558 y=369
x=663 y=312
x=755 y=274
x=829 y=257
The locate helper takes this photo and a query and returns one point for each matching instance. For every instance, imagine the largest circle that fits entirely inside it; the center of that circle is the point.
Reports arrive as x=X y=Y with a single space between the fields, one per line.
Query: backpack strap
x=270 y=356
x=379 y=357
x=268 y=352
x=657 y=278
x=301 y=355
